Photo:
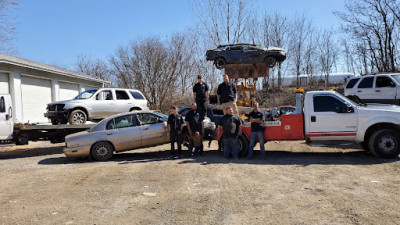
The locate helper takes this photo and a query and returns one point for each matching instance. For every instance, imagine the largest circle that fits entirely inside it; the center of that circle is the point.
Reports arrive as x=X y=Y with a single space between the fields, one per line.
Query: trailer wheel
x=102 y=151
x=385 y=144
x=220 y=63
x=22 y=139
x=270 y=61
x=77 y=117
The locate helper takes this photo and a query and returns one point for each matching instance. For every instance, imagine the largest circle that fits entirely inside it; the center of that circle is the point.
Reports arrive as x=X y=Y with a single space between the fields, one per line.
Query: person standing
x=256 y=120
x=175 y=127
x=201 y=95
x=231 y=125
x=227 y=95
x=194 y=124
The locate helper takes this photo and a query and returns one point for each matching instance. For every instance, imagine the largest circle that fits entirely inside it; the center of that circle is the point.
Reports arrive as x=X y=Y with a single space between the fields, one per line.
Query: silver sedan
x=118 y=133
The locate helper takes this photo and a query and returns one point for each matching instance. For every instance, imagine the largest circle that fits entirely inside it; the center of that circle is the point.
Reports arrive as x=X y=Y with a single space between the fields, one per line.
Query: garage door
x=36 y=94
x=68 y=90
x=4 y=83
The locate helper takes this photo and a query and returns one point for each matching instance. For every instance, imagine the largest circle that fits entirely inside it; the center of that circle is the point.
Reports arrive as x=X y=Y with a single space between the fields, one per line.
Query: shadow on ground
x=279 y=157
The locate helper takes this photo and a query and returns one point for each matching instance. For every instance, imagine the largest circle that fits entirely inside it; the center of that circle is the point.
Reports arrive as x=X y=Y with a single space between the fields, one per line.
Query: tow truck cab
x=6 y=120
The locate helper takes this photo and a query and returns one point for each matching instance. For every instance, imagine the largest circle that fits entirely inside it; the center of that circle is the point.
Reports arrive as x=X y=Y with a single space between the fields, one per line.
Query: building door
x=36 y=94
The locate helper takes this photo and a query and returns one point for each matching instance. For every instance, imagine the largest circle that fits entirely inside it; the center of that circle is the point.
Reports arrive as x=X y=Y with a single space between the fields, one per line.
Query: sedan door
x=252 y=55
x=154 y=129
x=124 y=133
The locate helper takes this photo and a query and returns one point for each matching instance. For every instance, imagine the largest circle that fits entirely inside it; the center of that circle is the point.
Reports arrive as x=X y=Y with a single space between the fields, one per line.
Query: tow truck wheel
x=77 y=117
x=22 y=139
x=243 y=146
x=385 y=144
x=220 y=63
x=102 y=151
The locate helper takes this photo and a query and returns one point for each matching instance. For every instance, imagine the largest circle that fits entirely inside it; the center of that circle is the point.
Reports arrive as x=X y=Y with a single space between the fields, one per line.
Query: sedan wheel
x=220 y=63
x=270 y=61
x=102 y=151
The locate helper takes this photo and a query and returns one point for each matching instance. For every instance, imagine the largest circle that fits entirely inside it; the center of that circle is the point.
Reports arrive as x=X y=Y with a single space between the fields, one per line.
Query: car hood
x=380 y=107
x=71 y=101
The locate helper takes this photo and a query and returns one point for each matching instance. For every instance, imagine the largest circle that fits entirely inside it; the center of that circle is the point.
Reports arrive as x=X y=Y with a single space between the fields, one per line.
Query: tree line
x=165 y=68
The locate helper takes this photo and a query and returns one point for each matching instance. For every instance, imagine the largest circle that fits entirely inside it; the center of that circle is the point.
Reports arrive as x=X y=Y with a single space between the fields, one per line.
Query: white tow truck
x=21 y=134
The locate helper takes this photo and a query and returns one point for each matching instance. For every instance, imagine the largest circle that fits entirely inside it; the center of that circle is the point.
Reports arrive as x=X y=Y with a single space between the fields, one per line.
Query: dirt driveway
x=296 y=184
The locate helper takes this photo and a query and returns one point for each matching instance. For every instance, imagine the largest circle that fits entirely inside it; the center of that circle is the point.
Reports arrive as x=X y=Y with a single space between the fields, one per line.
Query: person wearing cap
x=227 y=95
x=256 y=120
x=201 y=95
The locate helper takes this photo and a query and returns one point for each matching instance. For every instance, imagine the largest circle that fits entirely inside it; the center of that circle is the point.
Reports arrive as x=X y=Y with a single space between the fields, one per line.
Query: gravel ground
x=296 y=184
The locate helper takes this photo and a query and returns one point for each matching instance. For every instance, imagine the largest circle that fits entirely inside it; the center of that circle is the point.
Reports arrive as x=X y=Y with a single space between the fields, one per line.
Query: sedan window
x=148 y=118
x=124 y=121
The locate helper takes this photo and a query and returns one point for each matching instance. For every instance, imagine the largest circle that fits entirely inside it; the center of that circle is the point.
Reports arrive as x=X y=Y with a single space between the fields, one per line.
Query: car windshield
x=397 y=78
x=86 y=94
x=165 y=117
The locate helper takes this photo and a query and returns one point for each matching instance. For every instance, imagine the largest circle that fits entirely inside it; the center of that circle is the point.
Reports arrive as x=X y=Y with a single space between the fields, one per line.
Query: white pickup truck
x=329 y=116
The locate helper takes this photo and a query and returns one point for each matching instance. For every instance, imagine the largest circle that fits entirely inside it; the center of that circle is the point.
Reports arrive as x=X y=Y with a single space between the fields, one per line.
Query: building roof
x=17 y=61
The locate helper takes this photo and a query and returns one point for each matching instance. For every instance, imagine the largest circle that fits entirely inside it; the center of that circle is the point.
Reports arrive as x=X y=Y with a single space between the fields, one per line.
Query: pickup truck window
x=122 y=95
x=327 y=104
x=383 y=81
x=352 y=82
x=366 y=82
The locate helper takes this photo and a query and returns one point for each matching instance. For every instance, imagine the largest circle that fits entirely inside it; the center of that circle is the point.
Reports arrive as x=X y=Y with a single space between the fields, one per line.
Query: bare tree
x=95 y=68
x=154 y=67
x=374 y=23
x=328 y=53
x=300 y=30
x=7 y=25
x=224 y=21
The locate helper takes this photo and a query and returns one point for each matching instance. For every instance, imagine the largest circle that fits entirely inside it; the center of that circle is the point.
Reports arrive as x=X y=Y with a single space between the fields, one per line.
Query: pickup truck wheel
x=77 y=117
x=385 y=144
x=270 y=61
x=220 y=63
x=102 y=151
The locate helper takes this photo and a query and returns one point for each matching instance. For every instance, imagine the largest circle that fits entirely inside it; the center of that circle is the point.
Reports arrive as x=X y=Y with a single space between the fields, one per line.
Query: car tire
x=220 y=63
x=270 y=61
x=365 y=146
x=77 y=117
x=385 y=144
x=102 y=151
x=54 y=121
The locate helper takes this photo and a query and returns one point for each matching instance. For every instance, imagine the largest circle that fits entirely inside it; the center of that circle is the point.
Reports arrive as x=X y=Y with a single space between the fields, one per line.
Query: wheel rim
x=78 y=118
x=270 y=62
x=102 y=151
x=220 y=63
x=387 y=144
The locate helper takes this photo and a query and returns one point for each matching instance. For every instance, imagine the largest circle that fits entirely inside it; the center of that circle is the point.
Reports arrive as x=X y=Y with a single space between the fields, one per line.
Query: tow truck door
x=331 y=118
x=6 y=121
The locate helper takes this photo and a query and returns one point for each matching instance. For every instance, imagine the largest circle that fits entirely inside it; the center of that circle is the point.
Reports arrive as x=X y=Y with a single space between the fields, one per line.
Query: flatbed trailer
x=23 y=133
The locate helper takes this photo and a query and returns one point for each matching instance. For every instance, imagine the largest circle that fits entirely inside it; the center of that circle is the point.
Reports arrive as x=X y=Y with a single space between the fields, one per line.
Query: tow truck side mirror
x=9 y=115
x=346 y=109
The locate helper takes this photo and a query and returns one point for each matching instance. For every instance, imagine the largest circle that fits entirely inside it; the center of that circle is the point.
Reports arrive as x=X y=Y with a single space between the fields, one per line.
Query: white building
x=33 y=85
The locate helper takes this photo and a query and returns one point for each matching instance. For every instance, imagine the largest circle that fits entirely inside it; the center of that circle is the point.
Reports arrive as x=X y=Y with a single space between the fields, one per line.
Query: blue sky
x=56 y=32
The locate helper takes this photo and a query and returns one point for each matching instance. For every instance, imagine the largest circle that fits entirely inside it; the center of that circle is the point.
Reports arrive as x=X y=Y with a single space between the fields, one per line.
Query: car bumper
x=77 y=151
x=56 y=114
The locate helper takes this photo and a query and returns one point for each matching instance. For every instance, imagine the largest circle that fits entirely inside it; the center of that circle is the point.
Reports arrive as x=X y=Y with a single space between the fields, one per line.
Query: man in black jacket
x=200 y=95
x=175 y=126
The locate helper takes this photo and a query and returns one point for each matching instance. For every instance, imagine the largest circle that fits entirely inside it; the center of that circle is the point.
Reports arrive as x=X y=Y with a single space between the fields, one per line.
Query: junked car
x=122 y=132
x=245 y=54
x=95 y=105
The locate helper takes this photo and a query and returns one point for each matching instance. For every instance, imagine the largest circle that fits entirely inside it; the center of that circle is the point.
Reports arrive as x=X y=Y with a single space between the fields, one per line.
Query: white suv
x=95 y=105
x=380 y=88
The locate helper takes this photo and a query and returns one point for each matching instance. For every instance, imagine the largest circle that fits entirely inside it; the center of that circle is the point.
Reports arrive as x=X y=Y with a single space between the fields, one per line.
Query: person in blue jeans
x=256 y=120
x=231 y=125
